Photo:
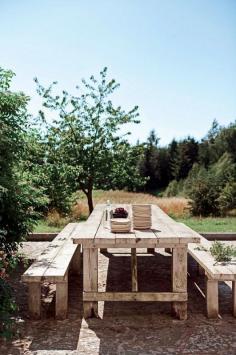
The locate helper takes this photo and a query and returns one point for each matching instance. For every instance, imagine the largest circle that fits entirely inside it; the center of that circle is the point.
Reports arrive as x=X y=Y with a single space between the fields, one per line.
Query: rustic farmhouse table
x=164 y=233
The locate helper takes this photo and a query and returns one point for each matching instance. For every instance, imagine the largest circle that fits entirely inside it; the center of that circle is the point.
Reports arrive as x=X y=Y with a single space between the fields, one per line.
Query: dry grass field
x=175 y=206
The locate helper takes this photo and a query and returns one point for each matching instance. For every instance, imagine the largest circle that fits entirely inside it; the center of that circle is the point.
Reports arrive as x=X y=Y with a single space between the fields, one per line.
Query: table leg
x=90 y=280
x=179 y=279
x=134 y=270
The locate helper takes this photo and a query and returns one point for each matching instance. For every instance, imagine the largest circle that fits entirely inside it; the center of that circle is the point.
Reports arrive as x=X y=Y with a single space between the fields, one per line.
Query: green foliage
x=173 y=189
x=85 y=138
x=221 y=252
x=124 y=173
x=154 y=164
x=204 y=193
x=182 y=157
x=7 y=303
x=7 y=307
x=19 y=196
x=227 y=197
x=212 y=190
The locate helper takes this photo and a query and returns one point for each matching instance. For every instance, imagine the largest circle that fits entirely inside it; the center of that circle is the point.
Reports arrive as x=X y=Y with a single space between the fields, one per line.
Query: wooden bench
x=214 y=272
x=53 y=266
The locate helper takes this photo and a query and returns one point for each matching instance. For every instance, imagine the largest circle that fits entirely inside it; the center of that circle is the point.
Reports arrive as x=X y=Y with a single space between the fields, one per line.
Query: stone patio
x=124 y=327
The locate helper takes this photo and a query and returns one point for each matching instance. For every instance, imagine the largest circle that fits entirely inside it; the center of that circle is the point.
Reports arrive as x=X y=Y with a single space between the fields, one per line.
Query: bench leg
x=134 y=270
x=61 y=299
x=179 y=280
x=90 y=280
x=103 y=250
x=150 y=250
x=76 y=261
x=234 y=297
x=34 y=300
x=168 y=250
x=212 y=298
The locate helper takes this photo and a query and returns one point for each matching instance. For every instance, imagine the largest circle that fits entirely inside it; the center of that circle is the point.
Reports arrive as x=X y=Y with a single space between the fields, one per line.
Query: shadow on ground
x=126 y=327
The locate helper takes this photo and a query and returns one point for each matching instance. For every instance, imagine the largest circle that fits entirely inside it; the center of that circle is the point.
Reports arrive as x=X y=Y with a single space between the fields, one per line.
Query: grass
x=210 y=224
x=176 y=207
x=43 y=227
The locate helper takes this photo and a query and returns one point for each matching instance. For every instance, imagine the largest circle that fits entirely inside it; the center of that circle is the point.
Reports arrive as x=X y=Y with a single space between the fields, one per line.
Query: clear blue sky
x=176 y=59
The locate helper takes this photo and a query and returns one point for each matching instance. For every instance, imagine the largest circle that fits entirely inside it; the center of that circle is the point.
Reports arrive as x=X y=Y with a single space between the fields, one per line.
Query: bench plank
x=36 y=271
x=57 y=271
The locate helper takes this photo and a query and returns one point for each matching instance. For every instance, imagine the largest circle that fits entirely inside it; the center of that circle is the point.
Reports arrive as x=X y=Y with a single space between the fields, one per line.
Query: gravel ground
x=123 y=327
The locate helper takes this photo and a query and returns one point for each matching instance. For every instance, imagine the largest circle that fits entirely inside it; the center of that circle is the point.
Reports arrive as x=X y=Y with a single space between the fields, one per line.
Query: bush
x=213 y=190
x=227 y=198
x=19 y=197
x=174 y=188
x=79 y=211
x=204 y=194
x=7 y=303
x=221 y=252
x=55 y=219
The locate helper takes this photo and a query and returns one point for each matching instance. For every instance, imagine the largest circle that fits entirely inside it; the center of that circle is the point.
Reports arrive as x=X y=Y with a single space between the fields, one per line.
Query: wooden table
x=164 y=234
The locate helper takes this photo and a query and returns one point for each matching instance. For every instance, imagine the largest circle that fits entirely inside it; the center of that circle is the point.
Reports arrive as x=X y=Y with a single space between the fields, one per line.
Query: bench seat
x=214 y=272
x=53 y=265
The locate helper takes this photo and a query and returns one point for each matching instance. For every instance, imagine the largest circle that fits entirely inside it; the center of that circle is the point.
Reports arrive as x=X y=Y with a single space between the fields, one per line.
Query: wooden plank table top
x=165 y=232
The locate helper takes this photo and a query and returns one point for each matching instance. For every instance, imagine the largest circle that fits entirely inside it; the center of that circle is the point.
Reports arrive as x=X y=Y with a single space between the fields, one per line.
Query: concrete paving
x=124 y=327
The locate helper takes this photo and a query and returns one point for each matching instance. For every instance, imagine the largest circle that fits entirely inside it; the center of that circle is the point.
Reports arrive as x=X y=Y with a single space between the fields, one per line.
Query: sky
x=175 y=59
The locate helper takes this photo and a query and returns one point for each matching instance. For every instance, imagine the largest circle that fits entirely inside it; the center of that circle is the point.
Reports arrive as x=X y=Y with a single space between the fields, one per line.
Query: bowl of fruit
x=120 y=212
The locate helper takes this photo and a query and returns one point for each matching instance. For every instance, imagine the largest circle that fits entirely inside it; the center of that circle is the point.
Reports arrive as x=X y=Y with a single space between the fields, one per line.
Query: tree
x=174 y=159
x=148 y=165
x=86 y=134
x=18 y=196
x=183 y=155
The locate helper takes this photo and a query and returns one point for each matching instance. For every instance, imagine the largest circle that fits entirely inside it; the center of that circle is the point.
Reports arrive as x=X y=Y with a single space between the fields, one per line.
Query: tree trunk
x=90 y=200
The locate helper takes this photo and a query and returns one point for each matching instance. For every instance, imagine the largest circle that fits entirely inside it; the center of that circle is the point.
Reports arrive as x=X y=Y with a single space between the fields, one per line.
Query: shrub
x=221 y=252
x=227 y=197
x=79 y=211
x=55 y=219
x=174 y=188
x=19 y=197
x=7 y=303
x=204 y=194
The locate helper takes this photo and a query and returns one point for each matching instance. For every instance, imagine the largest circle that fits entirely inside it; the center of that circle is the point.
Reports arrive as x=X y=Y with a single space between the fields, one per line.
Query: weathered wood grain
x=135 y=296
x=212 y=298
x=62 y=300
x=234 y=298
x=34 y=300
x=90 y=279
x=134 y=271
x=179 y=280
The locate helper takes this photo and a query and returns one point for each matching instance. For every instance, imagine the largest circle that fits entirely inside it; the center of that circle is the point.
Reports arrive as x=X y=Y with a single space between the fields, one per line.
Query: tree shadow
x=144 y=327
x=124 y=327
x=61 y=335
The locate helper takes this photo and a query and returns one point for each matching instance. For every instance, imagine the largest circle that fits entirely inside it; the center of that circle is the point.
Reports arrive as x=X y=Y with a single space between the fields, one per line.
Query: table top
x=165 y=232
